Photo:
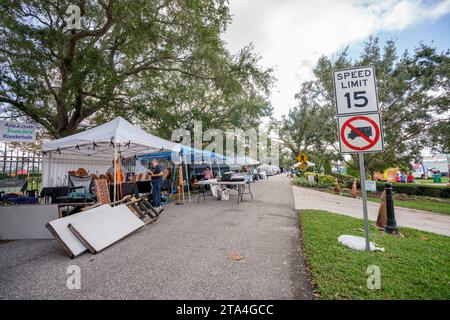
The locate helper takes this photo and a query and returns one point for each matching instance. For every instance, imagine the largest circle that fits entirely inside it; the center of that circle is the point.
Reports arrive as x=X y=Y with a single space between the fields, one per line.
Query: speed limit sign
x=355 y=91
x=359 y=121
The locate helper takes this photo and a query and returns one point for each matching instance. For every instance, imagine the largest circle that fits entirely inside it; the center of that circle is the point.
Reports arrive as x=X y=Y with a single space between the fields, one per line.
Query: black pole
x=391 y=224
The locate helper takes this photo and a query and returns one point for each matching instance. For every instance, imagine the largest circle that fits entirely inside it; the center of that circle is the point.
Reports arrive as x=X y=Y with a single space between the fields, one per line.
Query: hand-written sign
x=371 y=186
x=17 y=132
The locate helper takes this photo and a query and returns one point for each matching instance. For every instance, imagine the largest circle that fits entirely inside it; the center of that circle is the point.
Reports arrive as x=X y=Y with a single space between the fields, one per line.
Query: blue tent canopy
x=196 y=155
x=160 y=155
x=202 y=155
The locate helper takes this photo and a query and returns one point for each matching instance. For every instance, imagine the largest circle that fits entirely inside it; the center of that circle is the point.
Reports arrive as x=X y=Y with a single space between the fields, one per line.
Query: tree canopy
x=414 y=97
x=160 y=63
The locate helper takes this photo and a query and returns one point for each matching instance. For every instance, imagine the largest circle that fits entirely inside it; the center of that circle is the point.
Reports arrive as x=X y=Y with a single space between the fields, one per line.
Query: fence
x=18 y=164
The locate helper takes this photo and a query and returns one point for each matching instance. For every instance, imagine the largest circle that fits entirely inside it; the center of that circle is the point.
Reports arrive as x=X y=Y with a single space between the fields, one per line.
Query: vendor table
x=53 y=193
x=243 y=187
x=144 y=186
x=133 y=188
x=75 y=208
x=128 y=189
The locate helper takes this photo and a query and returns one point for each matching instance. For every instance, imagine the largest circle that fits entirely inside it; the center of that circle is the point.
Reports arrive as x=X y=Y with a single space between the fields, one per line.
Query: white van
x=420 y=173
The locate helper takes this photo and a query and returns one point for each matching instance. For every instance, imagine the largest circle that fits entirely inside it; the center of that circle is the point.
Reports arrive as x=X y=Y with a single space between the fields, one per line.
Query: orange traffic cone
x=382 y=212
x=354 y=189
x=337 y=189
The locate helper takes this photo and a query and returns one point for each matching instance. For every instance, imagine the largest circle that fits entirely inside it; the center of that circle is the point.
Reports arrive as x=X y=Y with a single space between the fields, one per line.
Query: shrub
x=302 y=182
x=346 y=180
x=327 y=168
x=417 y=190
x=310 y=174
x=326 y=179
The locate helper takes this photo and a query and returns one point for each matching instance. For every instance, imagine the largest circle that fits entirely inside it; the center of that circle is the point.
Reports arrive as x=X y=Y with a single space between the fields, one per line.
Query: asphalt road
x=184 y=255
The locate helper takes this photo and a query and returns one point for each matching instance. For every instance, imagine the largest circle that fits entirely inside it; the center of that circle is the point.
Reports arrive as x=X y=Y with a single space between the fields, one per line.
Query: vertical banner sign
x=17 y=132
x=358 y=120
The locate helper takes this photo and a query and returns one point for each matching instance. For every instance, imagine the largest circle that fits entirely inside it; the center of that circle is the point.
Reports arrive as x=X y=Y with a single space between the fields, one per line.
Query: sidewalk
x=421 y=220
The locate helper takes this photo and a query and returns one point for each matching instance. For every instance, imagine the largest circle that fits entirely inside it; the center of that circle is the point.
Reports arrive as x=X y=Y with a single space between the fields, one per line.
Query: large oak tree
x=160 y=63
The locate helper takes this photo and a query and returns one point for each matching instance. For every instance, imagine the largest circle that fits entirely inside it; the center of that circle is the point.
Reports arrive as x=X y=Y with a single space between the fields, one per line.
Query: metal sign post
x=362 y=174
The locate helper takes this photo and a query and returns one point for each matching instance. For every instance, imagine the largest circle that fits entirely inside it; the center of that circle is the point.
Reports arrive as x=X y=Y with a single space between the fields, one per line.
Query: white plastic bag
x=357 y=243
x=214 y=191
x=225 y=195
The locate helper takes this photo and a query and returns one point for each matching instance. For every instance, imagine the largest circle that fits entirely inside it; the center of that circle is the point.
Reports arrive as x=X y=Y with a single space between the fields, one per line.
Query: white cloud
x=292 y=34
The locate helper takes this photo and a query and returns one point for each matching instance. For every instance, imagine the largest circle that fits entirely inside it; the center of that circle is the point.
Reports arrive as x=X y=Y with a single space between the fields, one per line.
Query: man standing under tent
x=122 y=169
x=157 y=180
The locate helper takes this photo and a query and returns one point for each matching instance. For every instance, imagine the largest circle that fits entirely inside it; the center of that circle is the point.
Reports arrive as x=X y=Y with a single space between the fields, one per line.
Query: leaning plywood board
x=26 y=221
x=100 y=230
x=70 y=243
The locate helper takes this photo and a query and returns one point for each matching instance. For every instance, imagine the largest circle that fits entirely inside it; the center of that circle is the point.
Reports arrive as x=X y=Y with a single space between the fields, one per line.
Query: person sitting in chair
x=208 y=174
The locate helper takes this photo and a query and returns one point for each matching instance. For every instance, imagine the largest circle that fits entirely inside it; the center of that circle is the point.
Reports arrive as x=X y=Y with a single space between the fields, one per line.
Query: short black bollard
x=391 y=224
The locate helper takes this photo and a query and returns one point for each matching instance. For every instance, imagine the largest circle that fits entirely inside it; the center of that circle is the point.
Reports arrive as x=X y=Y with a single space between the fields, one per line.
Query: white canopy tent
x=96 y=148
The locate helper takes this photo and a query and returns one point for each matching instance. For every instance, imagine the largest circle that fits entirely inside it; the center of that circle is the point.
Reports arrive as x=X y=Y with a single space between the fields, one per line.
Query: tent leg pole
x=187 y=178
x=115 y=172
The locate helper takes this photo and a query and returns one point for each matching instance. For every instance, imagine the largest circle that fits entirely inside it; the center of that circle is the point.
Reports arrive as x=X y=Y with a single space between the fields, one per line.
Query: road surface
x=184 y=255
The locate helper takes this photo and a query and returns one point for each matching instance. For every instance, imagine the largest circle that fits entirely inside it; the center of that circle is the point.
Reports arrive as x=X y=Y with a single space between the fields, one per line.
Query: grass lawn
x=428 y=181
x=414 y=267
x=421 y=204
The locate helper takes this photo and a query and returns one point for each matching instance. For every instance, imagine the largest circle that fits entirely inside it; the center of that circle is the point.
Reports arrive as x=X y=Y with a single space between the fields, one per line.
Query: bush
x=346 y=180
x=310 y=174
x=302 y=182
x=417 y=190
x=326 y=179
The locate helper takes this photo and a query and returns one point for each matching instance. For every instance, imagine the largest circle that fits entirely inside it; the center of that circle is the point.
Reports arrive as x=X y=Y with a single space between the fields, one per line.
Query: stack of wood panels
x=94 y=229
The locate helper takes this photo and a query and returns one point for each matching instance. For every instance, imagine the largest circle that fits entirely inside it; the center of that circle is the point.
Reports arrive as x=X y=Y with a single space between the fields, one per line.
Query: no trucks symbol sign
x=360 y=133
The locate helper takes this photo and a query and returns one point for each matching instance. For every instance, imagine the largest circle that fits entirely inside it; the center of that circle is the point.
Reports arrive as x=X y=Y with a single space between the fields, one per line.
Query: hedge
x=346 y=180
x=302 y=182
x=319 y=178
x=325 y=179
x=417 y=190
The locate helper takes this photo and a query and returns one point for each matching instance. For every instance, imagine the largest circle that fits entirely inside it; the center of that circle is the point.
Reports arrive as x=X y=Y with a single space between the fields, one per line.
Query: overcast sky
x=290 y=35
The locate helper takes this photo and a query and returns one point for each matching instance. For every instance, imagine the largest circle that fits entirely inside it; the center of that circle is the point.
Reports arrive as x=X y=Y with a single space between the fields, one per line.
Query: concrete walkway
x=421 y=220
x=184 y=255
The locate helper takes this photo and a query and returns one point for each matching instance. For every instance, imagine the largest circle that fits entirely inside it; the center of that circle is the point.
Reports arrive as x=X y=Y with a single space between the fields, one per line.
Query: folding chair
x=80 y=183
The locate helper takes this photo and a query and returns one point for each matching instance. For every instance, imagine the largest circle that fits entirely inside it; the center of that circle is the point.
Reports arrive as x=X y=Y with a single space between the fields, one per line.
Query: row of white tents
x=95 y=150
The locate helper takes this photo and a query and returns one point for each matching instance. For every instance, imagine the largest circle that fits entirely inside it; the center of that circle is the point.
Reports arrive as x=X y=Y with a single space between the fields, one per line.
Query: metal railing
x=19 y=164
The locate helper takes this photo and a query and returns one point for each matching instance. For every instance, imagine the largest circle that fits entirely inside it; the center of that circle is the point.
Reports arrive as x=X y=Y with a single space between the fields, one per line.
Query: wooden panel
x=99 y=231
x=26 y=221
x=59 y=228
x=102 y=191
